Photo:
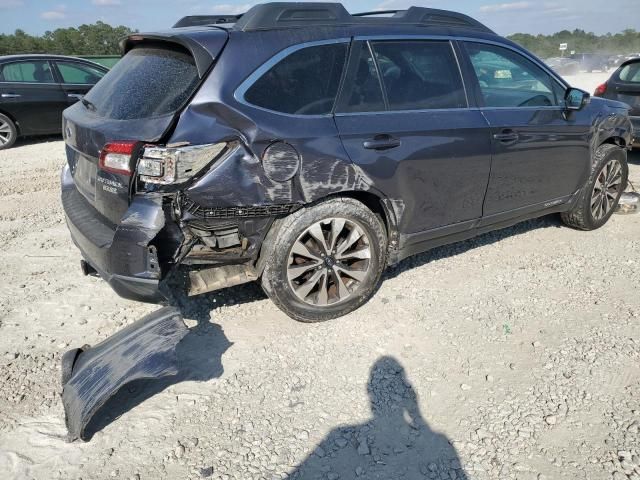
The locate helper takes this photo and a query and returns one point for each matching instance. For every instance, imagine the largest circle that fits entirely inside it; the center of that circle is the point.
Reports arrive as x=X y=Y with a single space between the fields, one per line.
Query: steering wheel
x=537 y=101
x=328 y=101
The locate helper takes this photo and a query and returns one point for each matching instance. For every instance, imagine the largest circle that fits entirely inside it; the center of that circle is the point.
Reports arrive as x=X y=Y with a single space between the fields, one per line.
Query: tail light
x=600 y=90
x=116 y=157
x=170 y=165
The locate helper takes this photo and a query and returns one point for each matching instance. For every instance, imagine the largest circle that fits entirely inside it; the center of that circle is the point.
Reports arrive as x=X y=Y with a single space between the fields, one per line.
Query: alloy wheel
x=606 y=189
x=329 y=261
x=5 y=132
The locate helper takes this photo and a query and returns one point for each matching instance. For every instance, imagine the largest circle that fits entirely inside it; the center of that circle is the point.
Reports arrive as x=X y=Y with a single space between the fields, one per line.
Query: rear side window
x=363 y=92
x=303 y=83
x=76 y=73
x=420 y=75
x=630 y=73
x=27 y=72
x=146 y=82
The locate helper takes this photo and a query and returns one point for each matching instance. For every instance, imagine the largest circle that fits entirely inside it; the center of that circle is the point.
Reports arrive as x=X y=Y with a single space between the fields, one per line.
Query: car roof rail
x=278 y=15
x=201 y=20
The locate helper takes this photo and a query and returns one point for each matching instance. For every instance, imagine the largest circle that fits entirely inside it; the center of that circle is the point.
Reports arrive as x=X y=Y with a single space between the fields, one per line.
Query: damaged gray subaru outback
x=307 y=148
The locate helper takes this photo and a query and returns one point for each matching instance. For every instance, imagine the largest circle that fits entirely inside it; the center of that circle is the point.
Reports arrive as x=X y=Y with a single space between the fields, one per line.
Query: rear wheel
x=600 y=195
x=8 y=132
x=327 y=260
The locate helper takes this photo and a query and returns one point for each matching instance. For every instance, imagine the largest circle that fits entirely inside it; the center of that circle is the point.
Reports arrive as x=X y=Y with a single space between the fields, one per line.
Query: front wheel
x=599 y=197
x=327 y=260
x=8 y=132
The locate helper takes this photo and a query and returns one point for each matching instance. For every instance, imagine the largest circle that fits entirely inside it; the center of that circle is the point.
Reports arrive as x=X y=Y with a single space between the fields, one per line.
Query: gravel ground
x=514 y=355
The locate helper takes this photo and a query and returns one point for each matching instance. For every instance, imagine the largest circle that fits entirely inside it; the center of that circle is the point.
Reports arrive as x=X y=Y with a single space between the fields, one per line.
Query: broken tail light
x=115 y=157
x=170 y=165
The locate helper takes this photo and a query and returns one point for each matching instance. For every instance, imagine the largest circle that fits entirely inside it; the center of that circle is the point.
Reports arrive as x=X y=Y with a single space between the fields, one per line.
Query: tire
x=8 y=132
x=582 y=215
x=287 y=275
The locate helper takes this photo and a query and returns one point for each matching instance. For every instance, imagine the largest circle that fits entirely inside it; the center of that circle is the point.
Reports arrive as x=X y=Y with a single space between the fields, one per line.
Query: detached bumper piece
x=92 y=375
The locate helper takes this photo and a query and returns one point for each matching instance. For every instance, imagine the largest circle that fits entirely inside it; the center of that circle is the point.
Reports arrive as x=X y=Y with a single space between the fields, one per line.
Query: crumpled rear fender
x=92 y=375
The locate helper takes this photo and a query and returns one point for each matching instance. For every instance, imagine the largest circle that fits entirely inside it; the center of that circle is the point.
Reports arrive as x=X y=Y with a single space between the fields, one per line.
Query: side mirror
x=576 y=99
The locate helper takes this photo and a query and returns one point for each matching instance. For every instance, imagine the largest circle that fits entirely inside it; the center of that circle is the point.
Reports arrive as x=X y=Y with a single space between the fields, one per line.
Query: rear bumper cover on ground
x=121 y=254
x=144 y=349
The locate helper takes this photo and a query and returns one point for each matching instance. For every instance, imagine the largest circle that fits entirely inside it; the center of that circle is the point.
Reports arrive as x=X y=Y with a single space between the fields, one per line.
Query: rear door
x=136 y=101
x=540 y=155
x=77 y=78
x=30 y=94
x=405 y=120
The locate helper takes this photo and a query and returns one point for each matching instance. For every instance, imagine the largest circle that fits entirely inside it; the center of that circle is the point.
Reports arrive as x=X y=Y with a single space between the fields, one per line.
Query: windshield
x=146 y=82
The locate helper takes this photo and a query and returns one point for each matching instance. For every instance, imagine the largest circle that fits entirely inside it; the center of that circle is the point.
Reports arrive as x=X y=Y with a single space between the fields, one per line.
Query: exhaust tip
x=629 y=203
x=87 y=269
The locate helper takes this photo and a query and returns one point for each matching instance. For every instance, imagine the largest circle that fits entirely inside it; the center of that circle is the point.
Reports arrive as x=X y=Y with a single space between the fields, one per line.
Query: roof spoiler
x=201 y=20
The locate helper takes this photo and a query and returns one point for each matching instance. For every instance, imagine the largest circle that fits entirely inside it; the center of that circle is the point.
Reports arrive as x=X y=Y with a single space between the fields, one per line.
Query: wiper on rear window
x=88 y=104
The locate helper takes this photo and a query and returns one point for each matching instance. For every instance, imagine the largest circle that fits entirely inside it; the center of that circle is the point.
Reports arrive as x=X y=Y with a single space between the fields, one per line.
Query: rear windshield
x=146 y=82
x=631 y=73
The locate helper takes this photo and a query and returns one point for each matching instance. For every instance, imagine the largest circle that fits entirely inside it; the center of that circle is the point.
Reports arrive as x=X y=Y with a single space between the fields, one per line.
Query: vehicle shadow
x=24 y=141
x=633 y=157
x=198 y=358
x=453 y=249
x=396 y=442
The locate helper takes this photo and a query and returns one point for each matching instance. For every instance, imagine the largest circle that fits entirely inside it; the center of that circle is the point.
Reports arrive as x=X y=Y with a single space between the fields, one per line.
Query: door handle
x=10 y=95
x=381 y=142
x=77 y=96
x=507 y=136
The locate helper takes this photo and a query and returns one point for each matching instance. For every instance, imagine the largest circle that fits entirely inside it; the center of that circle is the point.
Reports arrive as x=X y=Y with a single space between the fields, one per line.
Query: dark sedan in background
x=35 y=89
x=624 y=86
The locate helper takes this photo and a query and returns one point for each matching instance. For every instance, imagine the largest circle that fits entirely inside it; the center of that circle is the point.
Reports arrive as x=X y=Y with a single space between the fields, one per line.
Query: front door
x=404 y=120
x=541 y=154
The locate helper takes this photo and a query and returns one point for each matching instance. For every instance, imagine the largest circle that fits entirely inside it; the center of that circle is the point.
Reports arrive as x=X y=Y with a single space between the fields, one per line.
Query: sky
x=503 y=16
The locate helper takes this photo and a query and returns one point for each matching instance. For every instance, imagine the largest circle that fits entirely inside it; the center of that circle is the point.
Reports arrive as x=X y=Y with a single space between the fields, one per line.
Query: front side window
x=419 y=75
x=507 y=79
x=303 y=83
x=76 y=73
x=37 y=71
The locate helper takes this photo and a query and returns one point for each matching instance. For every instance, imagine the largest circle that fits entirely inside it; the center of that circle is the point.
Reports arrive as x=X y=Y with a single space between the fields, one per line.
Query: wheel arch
x=374 y=201
x=13 y=119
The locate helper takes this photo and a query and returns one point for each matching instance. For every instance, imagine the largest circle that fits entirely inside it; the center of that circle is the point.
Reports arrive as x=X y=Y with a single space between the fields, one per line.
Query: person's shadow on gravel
x=395 y=443
x=199 y=358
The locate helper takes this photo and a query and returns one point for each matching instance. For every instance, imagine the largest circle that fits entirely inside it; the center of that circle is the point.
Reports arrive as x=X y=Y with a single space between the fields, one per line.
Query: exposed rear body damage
x=92 y=375
x=251 y=124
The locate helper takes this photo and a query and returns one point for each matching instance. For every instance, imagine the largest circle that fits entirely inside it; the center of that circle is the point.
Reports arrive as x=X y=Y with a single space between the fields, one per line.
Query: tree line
x=102 y=39
x=625 y=42
x=96 y=39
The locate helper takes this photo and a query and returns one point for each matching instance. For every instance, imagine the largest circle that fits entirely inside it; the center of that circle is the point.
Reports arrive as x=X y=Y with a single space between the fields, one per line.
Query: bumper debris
x=92 y=375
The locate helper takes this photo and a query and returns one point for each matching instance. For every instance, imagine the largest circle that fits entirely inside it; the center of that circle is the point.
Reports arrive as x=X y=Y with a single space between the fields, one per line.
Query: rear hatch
x=138 y=100
x=624 y=86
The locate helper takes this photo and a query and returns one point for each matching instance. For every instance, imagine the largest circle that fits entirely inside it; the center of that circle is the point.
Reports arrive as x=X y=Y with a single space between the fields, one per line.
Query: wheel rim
x=606 y=189
x=329 y=261
x=5 y=132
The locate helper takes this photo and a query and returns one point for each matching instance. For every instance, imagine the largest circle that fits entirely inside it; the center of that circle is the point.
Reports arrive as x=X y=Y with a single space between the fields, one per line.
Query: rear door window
x=38 y=71
x=508 y=79
x=363 y=91
x=146 y=82
x=303 y=83
x=420 y=75
x=78 y=74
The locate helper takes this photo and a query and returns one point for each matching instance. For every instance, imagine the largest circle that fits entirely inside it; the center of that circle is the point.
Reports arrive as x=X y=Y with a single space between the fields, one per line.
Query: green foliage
x=96 y=39
x=545 y=46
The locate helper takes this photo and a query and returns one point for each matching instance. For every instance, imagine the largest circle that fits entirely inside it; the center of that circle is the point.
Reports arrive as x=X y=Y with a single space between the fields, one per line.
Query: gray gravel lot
x=515 y=355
